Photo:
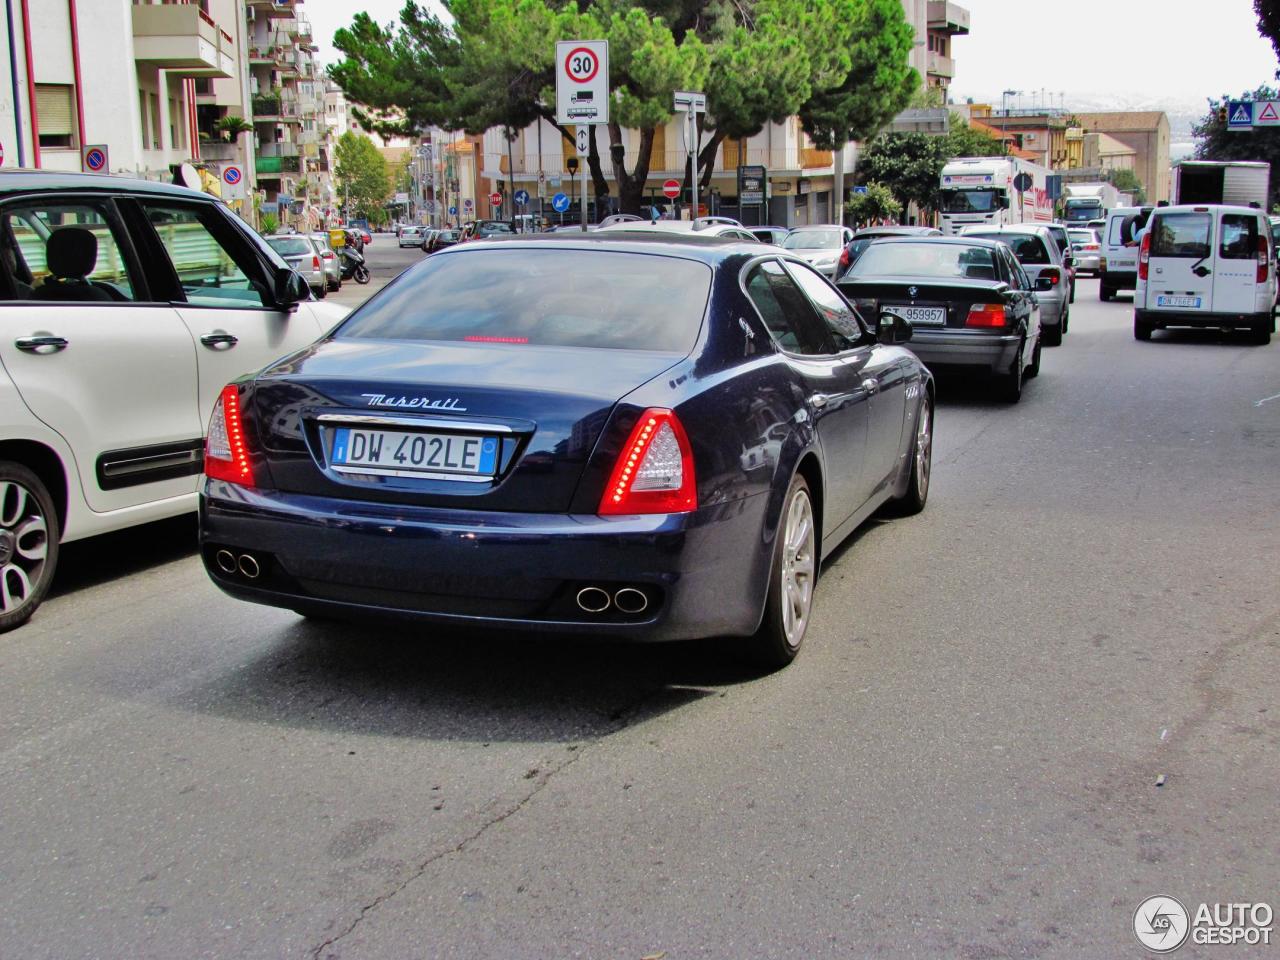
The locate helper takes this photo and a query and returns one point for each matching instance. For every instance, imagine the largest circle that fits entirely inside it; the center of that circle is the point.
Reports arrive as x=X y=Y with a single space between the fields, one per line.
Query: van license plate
x=935 y=316
x=395 y=453
x=1192 y=302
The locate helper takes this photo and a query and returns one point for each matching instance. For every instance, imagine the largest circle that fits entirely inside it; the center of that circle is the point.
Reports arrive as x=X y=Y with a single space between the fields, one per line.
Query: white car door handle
x=41 y=344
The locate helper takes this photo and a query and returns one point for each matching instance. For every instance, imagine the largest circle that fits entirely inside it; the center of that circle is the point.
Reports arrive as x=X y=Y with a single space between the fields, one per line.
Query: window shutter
x=53 y=105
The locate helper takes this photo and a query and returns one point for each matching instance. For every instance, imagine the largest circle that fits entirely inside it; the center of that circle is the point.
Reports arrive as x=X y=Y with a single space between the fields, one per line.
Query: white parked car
x=819 y=246
x=125 y=307
x=410 y=236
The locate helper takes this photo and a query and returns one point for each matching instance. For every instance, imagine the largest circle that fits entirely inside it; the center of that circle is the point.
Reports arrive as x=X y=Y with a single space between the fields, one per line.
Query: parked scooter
x=353 y=266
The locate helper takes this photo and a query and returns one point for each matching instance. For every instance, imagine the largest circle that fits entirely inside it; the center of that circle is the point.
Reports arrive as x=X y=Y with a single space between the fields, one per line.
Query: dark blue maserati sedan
x=618 y=434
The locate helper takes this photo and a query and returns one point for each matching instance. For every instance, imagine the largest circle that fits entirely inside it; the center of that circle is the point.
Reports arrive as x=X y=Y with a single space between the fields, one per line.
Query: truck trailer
x=983 y=191
x=1083 y=202
x=1239 y=182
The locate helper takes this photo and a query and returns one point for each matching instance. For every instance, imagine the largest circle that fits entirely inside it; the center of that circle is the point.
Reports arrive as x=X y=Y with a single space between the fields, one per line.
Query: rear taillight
x=1264 y=260
x=1091 y=246
x=327 y=255
x=315 y=262
x=1052 y=274
x=986 y=315
x=654 y=471
x=1144 y=256
x=844 y=257
x=226 y=456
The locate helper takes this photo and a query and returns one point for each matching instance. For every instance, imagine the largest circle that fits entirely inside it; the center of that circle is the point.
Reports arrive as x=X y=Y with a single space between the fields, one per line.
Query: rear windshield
x=1083 y=236
x=553 y=297
x=1029 y=250
x=1239 y=240
x=486 y=229
x=813 y=240
x=949 y=260
x=290 y=246
x=1184 y=235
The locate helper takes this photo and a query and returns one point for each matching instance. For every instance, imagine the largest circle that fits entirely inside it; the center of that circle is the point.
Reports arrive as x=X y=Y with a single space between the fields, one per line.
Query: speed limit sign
x=582 y=81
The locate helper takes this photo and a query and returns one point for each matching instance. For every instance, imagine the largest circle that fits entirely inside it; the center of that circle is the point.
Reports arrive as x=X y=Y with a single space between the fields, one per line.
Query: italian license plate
x=397 y=453
x=1192 y=302
x=937 y=316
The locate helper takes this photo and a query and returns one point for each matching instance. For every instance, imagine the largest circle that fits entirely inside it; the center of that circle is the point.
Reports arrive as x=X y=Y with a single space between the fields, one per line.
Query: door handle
x=871 y=385
x=41 y=344
x=819 y=400
x=216 y=340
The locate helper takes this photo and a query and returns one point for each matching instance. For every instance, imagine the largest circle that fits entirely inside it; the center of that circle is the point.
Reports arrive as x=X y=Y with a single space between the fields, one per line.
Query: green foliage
x=877 y=203
x=909 y=164
x=361 y=174
x=270 y=224
x=231 y=127
x=964 y=141
x=1215 y=142
x=1126 y=181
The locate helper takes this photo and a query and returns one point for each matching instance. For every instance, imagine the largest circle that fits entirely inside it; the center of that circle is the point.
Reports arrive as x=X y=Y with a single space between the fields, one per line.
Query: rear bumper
x=969 y=351
x=704 y=573
x=1172 y=318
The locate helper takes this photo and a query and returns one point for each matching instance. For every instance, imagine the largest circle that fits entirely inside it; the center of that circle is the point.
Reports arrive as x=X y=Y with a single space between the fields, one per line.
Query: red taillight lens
x=844 y=257
x=315 y=262
x=1053 y=274
x=985 y=315
x=226 y=456
x=654 y=471
x=1264 y=260
x=1091 y=246
x=1144 y=256
x=328 y=255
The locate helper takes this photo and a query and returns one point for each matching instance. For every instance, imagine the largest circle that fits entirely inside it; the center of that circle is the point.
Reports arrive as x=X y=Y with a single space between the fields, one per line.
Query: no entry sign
x=671 y=189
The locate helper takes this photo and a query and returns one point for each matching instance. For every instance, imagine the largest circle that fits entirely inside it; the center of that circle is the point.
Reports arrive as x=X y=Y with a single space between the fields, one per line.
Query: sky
x=1133 y=50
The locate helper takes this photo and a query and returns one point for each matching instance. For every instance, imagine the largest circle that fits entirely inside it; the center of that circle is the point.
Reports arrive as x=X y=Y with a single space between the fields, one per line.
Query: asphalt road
x=962 y=763
x=386 y=260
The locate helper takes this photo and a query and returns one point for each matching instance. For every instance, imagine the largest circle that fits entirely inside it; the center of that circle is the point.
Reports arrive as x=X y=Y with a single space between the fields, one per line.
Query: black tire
x=1052 y=336
x=917 y=495
x=28 y=543
x=1072 y=297
x=361 y=274
x=1033 y=369
x=335 y=286
x=1009 y=385
x=1142 y=327
x=1261 y=330
x=1066 y=323
x=1105 y=293
x=775 y=644
x=321 y=291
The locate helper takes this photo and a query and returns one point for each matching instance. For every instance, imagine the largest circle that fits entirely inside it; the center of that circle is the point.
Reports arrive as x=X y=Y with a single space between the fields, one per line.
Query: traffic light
x=1222 y=114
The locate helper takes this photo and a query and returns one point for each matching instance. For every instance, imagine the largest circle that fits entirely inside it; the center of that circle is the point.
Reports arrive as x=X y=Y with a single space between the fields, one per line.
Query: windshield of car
x=488 y=229
x=553 y=297
x=1029 y=249
x=969 y=201
x=812 y=240
x=1083 y=236
x=946 y=260
x=290 y=246
x=1181 y=235
x=1083 y=209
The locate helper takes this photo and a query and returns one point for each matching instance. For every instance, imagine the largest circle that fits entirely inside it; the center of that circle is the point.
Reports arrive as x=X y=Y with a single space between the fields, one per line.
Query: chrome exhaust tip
x=593 y=600
x=631 y=600
x=226 y=561
x=249 y=566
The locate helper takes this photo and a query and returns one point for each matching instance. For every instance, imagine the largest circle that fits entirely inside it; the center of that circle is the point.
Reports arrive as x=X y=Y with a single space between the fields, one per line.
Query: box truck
x=1083 y=202
x=1239 y=182
x=993 y=190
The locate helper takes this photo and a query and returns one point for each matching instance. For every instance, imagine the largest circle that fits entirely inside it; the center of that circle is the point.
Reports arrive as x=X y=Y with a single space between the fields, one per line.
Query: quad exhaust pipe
x=599 y=600
x=245 y=564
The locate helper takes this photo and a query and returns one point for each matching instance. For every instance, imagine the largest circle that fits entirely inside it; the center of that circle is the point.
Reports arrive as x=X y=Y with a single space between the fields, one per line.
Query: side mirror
x=291 y=288
x=1069 y=260
x=893 y=330
x=1043 y=283
x=1004 y=201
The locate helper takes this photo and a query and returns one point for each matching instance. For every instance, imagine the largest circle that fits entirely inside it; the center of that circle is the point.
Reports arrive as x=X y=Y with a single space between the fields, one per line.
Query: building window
x=55 y=114
x=155 y=121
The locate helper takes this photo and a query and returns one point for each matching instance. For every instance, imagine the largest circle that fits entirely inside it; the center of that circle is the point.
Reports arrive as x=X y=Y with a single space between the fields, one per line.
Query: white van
x=1118 y=265
x=1206 y=266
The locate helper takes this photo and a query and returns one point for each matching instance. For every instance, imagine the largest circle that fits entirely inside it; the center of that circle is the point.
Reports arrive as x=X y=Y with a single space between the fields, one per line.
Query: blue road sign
x=559 y=203
x=859 y=189
x=453 y=211
x=1239 y=114
x=522 y=197
x=95 y=159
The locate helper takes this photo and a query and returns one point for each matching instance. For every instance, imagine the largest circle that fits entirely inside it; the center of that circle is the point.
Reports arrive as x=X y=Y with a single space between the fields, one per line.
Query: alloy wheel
x=24 y=546
x=924 y=451
x=799 y=565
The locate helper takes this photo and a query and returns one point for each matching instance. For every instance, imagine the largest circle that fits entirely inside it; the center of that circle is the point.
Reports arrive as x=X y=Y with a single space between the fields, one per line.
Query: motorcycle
x=353 y=266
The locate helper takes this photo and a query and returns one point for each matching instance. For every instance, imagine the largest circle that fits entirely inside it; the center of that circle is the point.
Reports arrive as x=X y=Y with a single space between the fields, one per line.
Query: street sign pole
x=582 y=95
x=692 y=102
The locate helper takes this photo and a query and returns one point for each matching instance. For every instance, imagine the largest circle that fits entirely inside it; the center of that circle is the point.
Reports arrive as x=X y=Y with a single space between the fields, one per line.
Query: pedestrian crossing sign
x=1240 y=114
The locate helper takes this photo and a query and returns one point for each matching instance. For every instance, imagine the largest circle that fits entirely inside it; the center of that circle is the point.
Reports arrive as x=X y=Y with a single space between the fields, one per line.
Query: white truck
x=1083 y=202
x=1239 y=182
x=993 y=190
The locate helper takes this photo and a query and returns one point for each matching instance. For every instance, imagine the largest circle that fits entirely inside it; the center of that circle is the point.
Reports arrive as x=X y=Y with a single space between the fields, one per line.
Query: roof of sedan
x=965 y=240
x=26 y=180
x=703 y=246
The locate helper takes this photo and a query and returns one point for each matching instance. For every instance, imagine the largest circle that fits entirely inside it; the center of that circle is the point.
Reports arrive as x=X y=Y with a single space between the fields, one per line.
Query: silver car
x=1043 y=262
x=331 y=262
x=819 y=246
x=301 y=252
x=1086 y=247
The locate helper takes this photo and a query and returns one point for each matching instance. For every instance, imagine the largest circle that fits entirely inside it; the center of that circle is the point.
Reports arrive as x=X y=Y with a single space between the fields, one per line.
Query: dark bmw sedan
x=618 y=434
x=969 y=302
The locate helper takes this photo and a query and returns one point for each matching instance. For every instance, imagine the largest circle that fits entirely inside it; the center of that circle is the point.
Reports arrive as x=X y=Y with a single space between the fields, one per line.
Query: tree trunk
x=593 y=157
x=630 y=185
x=707 y=161
x=597 y=170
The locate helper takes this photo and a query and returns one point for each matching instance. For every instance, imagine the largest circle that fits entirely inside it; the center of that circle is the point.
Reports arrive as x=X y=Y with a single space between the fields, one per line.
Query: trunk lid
x=544 y=407
x=921 y=298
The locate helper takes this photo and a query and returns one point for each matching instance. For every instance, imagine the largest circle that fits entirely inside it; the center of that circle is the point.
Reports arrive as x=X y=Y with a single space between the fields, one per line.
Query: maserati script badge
x=415 y=403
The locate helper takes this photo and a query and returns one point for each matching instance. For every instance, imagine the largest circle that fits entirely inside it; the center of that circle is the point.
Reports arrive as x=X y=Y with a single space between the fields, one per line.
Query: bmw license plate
x=395 y=453
x=1192 y=302
x=937 y=316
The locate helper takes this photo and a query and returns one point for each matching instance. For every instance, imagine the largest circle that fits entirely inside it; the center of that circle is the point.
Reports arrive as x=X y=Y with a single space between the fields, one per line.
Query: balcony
x=182 y=38
x=812 y=159
x=278 y=148
x=274 y=8
x=276 y=165
x=949 y=18
x=218 y=150
x=941 y=65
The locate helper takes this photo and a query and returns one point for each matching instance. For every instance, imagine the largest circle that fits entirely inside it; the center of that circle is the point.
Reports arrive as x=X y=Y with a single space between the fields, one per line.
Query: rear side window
x=1239 y=240
x=64 y=251
x=1181 y=235
x=552 y=297
x=785 y=310
x=1028 y=249
x=214 y=266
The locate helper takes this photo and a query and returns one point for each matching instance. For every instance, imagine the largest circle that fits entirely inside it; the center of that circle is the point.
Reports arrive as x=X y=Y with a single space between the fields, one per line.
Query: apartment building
x=1147 y=134
x=935 y=22
x=115 y=73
